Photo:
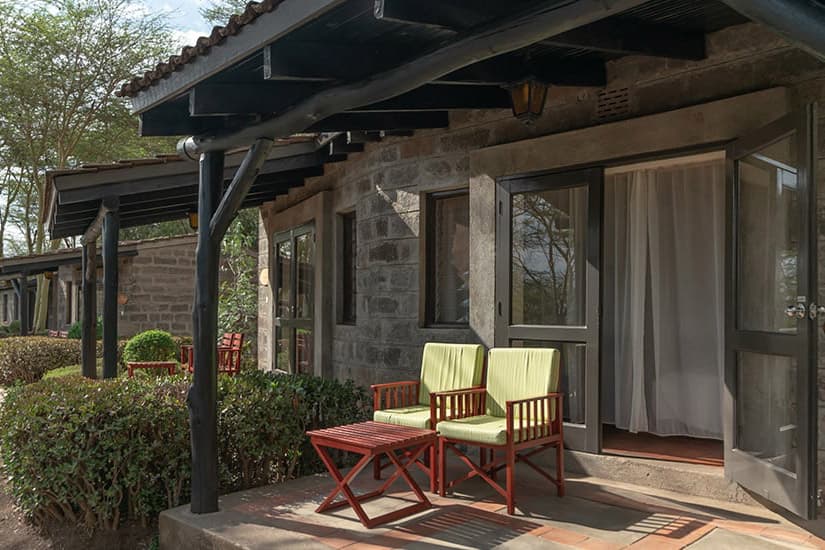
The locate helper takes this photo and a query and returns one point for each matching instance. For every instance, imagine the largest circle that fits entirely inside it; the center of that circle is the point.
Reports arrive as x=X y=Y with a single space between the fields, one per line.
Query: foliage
x=218 y=12
x=14 y=327
x=152 y=345
x=96 y=452
x=26 y=359
x=72 y=370
x=238 y=293
x=76 y=330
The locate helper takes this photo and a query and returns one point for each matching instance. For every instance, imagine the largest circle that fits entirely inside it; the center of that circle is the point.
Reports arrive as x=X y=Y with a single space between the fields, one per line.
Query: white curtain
x=664 y=280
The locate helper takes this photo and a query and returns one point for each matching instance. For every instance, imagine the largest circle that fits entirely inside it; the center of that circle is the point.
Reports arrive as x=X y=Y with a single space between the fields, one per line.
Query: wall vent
x=613 y=104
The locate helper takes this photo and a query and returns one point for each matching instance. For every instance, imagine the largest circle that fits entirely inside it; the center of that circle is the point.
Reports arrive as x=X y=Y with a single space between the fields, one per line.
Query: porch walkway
x=595 y=515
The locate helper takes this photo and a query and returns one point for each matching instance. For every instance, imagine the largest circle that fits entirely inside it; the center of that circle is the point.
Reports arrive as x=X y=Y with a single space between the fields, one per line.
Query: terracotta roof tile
x=202 y=47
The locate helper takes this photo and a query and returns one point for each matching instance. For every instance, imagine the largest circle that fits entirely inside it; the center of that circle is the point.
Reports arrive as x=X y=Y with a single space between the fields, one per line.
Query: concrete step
x=689 y=479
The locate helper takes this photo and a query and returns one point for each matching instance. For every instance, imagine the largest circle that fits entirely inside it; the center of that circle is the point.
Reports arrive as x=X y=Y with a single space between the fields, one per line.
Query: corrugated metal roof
x=202 y=46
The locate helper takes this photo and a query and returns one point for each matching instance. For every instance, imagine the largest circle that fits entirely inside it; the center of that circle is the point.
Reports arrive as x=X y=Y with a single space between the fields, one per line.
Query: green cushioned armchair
x=518 y=411
x=443 y=367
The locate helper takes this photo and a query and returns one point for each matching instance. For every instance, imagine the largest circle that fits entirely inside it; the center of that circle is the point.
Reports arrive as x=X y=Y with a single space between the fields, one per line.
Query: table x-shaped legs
x=343 y=485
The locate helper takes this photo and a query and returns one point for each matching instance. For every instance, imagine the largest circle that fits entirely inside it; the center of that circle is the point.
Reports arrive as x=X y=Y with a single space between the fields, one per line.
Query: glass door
x=294 y=300
x=770 y=384
x=548 y=244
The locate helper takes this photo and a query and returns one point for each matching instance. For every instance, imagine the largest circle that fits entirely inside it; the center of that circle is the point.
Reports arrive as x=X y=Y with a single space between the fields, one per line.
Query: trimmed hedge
x=26 y=359
x=94 y=453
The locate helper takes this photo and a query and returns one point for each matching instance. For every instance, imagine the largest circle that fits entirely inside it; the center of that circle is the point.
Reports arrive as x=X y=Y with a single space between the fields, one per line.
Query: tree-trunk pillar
x=88 y=326
x=25 y=321
x=111 y=229
x=203 y=395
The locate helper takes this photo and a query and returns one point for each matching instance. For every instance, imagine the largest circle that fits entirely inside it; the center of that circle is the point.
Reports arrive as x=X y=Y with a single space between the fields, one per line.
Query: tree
x=238 y=297
x=60 y=64
x=218 y=12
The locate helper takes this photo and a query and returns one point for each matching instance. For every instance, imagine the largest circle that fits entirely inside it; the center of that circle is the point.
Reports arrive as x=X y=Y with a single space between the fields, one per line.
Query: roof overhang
x=263 y=66
x=17 y=266
x=166 y=188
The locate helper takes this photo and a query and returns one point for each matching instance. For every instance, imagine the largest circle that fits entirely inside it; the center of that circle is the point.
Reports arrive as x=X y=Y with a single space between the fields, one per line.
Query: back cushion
x=520 y=373
x=449 y=367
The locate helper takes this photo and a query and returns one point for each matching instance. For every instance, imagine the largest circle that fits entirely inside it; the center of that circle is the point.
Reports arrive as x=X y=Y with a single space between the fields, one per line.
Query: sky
x=184 y=17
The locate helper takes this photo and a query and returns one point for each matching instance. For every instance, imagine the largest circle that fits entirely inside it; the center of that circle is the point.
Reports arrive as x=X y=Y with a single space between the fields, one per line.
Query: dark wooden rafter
x=504 y=70
x=612 y=37
x=500 y=37
x=321 y=62
x=261 y=98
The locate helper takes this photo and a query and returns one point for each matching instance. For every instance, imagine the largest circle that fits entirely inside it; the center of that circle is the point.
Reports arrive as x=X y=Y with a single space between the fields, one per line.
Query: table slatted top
x=372 y=436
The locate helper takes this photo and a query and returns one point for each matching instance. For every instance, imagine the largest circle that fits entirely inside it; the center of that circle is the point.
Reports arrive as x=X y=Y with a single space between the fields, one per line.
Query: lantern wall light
x=527 y=98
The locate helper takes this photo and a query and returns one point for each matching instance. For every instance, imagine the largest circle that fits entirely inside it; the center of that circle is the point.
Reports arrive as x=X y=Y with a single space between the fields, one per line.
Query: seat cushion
x=489 y=430
x=449 y=367
x=520 y=373
x=415 y=416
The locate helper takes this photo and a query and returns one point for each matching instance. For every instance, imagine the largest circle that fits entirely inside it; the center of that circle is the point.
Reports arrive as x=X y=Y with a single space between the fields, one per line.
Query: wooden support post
x=88 y=325
x=25 y=321
x=111 y=229
x=203 y=396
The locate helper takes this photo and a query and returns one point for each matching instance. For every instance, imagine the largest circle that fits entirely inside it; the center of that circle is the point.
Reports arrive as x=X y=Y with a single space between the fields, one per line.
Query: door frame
x=585 y=437
x=739 y=466
x=292 y=324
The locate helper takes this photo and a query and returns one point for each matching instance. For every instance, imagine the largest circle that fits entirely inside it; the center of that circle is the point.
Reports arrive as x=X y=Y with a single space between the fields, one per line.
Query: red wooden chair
x=230 y=349
x=519 y=413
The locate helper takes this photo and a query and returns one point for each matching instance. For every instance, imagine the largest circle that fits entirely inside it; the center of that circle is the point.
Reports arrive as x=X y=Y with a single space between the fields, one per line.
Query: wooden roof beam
x=613 y=37
x=539 y=22
x=503 y=70
x=268 y=98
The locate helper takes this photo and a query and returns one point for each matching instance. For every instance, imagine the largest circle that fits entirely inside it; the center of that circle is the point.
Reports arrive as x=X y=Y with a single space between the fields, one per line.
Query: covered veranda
x=282 y=68
x=95 y=201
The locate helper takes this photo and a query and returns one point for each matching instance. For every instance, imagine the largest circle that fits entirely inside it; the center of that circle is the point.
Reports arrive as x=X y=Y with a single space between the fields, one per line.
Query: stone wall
x=667 y=106
x=158 y=283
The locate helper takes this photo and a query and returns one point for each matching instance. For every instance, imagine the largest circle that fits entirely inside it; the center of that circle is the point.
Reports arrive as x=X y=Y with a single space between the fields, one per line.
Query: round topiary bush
x=152 y=345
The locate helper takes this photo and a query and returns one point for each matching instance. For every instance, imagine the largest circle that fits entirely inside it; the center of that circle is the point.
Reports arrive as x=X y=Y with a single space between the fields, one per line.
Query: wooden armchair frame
x=230 y=350
x=529 y=418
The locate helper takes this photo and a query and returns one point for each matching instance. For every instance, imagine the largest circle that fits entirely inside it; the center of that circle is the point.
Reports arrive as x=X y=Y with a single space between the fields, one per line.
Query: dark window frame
x=427 y=275
x=347 y=280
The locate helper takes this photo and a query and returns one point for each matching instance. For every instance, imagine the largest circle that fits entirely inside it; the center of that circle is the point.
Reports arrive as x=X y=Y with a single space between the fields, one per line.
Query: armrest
x=395 y=394
x=455 y=404
x=532 y=418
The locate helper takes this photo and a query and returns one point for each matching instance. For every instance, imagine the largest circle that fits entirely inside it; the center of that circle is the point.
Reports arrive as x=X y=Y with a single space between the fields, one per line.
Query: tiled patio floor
x=593 y=515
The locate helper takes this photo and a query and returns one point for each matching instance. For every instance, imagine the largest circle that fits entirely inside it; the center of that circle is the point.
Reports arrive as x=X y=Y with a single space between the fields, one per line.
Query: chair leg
x=560 y=468
x=494 y=473
x=434 y=469
x=442 y=466
x=482 y=456
x=376 y=467
x=511 y=489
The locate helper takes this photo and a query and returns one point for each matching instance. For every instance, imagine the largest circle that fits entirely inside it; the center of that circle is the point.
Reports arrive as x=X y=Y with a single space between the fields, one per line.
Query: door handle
x=798 y=311
x=815 y=311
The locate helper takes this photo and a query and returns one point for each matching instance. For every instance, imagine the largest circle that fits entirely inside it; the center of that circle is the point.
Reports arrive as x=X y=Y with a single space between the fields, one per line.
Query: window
x=349 y=285
x=447 y=261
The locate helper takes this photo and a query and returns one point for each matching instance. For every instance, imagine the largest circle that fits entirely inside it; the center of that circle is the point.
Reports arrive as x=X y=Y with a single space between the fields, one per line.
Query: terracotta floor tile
x=655 y=542
x=564 y=536
x=778 y=533
x=598 y=544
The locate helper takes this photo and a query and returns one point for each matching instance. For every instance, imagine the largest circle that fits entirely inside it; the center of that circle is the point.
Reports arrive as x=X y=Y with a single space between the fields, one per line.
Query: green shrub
x=97 y=452
x=75 y=331
x=152 y=345
x=14 y=328
x=26 y=359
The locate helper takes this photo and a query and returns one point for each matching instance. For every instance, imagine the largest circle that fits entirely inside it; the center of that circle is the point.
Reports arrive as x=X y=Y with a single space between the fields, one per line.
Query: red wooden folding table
x=373 y=440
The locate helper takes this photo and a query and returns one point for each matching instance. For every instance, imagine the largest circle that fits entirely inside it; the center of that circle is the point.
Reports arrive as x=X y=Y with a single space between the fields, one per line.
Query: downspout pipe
x=496 y=39
x=800 y=22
